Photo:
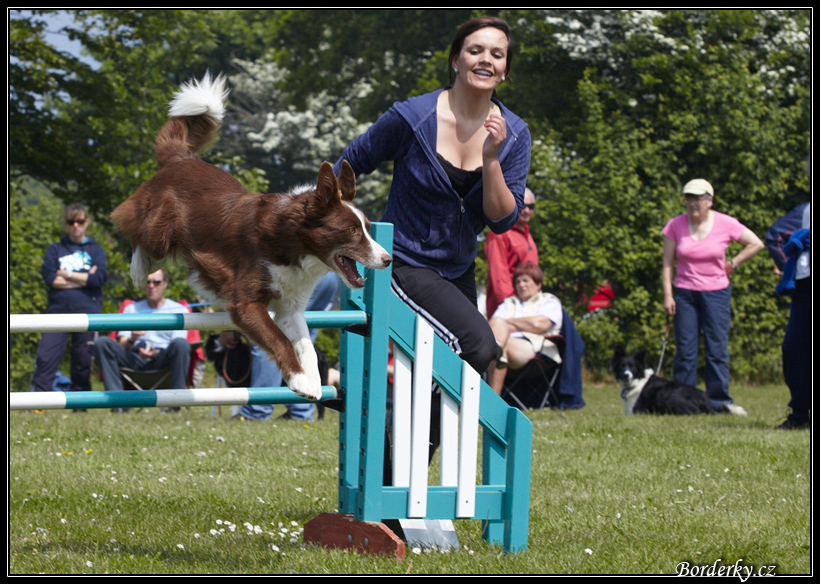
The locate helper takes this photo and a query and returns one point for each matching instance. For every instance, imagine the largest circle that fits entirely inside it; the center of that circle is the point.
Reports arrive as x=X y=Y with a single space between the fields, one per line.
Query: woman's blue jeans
x=709 y=313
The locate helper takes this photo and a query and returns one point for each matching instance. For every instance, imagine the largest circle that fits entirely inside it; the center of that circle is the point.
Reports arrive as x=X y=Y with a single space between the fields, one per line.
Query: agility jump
x=369 y=319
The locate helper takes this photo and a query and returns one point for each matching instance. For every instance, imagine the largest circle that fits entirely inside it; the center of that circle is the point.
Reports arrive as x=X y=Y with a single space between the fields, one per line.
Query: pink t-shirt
x=701 y=264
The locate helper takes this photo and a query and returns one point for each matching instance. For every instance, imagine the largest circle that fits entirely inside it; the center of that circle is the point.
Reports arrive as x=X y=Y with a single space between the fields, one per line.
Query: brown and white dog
x=248 y=252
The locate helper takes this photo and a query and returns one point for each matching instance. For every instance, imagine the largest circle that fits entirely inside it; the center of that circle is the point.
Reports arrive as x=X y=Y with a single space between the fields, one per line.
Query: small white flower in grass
x=162 y=479
x=180 y=546
x=89 y=564
x=62 y=520
x=417 y=551
x=588 y=551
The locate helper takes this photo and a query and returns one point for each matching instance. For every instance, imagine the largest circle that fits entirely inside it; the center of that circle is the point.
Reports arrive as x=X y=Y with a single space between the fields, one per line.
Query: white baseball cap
x=698 y=186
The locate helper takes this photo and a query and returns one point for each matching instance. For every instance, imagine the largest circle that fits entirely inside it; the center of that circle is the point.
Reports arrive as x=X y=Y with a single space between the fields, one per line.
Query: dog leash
x=663 y=348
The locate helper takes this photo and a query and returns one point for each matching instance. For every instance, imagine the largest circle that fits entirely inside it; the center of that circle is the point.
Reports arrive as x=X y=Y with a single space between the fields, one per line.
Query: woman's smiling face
x=483 y=59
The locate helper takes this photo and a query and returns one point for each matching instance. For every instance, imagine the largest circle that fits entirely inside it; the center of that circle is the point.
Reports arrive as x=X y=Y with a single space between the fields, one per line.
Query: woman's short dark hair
x=469 y=28
x=531 y=270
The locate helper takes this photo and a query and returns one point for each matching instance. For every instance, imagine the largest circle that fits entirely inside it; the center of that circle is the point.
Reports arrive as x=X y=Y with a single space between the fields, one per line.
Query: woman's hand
x=496 y=126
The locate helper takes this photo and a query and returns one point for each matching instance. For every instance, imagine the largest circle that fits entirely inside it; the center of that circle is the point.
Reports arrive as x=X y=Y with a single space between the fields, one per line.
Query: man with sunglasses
x=141 y=350
x=507 y=250
x=74 y=269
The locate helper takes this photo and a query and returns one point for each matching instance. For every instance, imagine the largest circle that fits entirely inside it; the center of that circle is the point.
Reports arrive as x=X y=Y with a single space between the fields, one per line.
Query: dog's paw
x=302 y=385
x=139 y=268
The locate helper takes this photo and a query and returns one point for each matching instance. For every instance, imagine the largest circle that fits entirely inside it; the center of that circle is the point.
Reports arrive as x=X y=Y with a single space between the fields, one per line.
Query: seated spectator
x=142 y=350
x=522 y=322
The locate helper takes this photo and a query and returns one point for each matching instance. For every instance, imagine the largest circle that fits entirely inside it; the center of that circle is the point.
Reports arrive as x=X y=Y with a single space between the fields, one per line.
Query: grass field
x=189 y=493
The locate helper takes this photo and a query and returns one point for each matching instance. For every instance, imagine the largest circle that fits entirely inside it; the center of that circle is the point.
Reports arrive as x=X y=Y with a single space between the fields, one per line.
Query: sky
x=59 y=40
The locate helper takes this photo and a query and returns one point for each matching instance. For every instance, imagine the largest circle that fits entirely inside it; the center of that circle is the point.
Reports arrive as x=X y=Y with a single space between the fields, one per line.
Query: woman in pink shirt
x=700 y=296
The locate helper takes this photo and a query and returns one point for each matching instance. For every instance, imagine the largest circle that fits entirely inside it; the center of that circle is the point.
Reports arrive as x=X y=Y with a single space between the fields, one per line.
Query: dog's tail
x=195 y=116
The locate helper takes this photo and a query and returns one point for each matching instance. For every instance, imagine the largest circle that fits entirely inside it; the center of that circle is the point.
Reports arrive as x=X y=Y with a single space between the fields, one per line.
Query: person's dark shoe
x=795 y=424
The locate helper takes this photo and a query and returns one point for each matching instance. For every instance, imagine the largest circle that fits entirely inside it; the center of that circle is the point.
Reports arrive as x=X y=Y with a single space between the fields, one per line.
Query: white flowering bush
x=298 y=138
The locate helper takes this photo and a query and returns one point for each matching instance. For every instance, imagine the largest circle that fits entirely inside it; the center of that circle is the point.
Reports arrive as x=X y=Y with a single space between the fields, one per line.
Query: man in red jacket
x=505 y=251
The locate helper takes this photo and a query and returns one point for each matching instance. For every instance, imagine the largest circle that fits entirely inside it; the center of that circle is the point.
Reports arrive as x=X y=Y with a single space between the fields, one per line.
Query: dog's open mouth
x=348 y=267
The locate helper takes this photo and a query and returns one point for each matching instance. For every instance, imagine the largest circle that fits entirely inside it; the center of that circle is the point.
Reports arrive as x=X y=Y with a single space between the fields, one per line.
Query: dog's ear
x=640 y=357
x=347 y=181
x=327 y=189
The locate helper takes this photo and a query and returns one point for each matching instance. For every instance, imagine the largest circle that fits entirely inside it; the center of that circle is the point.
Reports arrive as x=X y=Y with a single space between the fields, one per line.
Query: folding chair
x=534 y=385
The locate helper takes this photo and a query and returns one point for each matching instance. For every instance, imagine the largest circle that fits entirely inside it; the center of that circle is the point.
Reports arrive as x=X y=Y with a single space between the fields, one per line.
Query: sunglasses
x=153 y=282
x=530 y=206
x=76 y=221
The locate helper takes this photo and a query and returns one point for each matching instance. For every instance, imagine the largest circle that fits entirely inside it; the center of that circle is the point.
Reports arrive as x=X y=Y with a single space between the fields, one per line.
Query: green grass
x=188 y=493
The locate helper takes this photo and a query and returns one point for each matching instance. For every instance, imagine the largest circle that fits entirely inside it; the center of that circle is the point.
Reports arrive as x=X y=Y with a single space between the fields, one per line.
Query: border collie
x=247 y=252
x=643 y=392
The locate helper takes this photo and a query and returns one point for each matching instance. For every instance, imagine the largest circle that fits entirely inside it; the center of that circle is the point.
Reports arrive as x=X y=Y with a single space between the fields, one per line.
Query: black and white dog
x=643 y=392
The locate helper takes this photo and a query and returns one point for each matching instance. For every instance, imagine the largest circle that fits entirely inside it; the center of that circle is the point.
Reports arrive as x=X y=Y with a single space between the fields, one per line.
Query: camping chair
x=147 y=379
x=550 y=383
x=534 y=385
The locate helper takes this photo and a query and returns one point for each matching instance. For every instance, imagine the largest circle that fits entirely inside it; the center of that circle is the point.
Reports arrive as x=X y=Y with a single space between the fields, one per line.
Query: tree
x=660 y=97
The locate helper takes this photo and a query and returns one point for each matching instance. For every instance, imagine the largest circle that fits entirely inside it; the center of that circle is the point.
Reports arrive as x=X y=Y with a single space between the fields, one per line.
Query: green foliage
x=32 y=228
x=662 y=99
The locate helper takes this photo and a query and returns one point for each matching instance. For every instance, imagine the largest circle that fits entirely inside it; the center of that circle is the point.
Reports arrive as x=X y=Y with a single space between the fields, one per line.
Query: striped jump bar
x=212 y=396
x=212 y=321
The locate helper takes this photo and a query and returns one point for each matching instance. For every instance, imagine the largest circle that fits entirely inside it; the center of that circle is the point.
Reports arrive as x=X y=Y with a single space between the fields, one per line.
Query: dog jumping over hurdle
x=247 y=252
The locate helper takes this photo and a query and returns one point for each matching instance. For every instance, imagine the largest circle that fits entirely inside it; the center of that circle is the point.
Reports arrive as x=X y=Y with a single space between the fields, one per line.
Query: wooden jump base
x=370 y=319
